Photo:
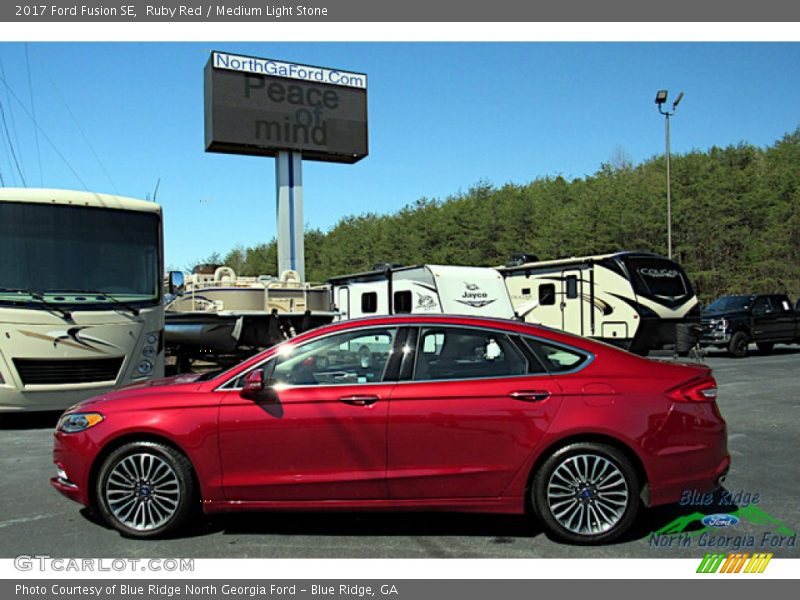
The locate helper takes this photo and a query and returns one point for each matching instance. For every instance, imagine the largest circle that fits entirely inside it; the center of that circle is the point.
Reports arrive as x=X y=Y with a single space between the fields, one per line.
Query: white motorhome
x=630 y=299
x=80 y=296
x=422 y=289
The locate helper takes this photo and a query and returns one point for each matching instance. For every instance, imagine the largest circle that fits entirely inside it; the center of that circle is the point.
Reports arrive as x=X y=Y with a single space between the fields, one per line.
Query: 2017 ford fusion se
x=411 y=412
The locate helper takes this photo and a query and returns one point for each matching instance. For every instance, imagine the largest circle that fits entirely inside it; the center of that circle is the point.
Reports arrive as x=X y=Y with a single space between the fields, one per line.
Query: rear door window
x=781 y=303
x=445 y=353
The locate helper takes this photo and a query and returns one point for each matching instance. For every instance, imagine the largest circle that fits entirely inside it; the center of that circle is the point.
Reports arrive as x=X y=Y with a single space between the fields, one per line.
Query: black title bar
x=399 y=11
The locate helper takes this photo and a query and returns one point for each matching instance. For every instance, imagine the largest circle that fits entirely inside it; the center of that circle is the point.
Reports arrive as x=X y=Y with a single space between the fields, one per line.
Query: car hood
x=719 y=314
x=178 y=391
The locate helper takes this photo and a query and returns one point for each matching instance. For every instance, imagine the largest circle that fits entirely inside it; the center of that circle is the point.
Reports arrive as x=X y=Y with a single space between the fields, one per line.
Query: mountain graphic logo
x=752 y=514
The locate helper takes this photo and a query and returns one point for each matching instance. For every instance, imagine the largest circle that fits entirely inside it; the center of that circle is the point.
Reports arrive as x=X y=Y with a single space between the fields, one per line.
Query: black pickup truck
x=733 y=322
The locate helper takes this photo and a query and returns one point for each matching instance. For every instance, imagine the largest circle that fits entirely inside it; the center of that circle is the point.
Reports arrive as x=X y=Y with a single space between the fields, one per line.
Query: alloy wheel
x=587 y=494
x=142 y=491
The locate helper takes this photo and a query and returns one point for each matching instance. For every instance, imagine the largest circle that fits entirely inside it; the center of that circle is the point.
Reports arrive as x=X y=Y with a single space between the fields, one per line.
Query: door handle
x=530 y=395
x=359 y=400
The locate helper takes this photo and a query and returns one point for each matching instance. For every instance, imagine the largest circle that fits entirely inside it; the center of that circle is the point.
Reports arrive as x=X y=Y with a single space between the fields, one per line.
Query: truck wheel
x=738 y=345
x=765 y=347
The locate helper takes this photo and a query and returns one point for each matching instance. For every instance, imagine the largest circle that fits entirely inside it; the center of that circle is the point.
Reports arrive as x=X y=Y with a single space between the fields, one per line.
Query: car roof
x=445 y=319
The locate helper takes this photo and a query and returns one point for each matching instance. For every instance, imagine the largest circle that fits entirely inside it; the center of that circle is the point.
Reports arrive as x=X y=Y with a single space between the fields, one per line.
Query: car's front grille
x=35 y=371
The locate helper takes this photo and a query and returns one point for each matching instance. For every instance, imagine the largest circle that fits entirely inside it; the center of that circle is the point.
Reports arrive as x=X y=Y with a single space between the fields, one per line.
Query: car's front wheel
x=586 y=493
x=737 y=347
x=146 y=489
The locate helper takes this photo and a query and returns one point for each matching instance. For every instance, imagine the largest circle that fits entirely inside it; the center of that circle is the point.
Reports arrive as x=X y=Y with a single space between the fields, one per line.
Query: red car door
x=322 y=434
x=470 y=415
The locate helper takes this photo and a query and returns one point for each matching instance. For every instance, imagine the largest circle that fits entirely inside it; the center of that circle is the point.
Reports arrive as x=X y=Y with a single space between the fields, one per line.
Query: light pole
x=661 y=98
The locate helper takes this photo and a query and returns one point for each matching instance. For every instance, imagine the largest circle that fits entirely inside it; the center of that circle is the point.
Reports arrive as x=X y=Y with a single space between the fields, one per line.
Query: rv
x=633 y=300
x=81 y=308
x=422 y=289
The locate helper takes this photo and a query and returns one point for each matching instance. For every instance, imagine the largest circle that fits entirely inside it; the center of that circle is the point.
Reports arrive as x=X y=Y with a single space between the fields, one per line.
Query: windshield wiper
x=40 y=297
x=132 y=309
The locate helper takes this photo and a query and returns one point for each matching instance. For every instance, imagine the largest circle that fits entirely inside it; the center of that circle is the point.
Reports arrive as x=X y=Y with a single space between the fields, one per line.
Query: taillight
x=696 y=390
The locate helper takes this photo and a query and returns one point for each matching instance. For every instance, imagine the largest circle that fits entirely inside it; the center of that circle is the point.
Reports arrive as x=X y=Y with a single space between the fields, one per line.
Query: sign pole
x=265 y=107
x=289 y=196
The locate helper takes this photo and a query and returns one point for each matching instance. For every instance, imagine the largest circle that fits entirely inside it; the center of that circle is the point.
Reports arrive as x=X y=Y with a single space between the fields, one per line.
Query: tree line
x=735 y=222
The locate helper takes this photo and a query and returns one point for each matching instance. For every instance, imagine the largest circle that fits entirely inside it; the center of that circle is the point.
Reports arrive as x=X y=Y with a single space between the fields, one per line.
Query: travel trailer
x=422 y=289
x=630 y=299
x=81 y=307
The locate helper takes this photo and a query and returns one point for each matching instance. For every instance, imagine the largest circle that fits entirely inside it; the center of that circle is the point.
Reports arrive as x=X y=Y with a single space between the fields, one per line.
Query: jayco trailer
x=422 y=289
x=630 y=299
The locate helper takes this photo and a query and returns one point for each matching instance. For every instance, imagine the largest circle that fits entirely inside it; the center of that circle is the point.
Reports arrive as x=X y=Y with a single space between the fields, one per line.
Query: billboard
x=260 y=106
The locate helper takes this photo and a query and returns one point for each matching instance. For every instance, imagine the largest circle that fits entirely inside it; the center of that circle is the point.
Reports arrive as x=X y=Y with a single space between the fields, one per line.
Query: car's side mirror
x=176 y=283
x=258 y=384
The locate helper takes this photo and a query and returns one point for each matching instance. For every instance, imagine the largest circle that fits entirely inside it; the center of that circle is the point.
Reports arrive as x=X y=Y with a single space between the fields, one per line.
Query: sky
x=120 y=117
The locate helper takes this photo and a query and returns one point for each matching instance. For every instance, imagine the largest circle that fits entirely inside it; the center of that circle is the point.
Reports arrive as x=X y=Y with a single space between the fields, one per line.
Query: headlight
x=722 y=324
x=148 y=351
x=75 y=422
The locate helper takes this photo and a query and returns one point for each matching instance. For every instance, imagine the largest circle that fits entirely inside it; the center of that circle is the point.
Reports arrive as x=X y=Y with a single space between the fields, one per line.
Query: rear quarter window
x=557 y=358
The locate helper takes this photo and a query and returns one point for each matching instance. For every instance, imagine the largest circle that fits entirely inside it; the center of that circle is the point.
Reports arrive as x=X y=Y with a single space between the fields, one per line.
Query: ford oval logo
x=720 y=520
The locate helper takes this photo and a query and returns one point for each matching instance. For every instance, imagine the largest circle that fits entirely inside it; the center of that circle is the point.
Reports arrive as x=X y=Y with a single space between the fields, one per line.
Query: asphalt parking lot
x=759 y=397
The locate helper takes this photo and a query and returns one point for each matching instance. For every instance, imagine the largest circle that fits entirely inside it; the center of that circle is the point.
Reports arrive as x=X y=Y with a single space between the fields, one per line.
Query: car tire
x=146 y=489
x=566 y=486
x=738 y=344
x=765 y=347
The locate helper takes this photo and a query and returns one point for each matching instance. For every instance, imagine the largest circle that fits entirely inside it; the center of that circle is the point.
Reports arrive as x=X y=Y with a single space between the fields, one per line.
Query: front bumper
x=68 y=489
x=73 y=455
x=713 y=335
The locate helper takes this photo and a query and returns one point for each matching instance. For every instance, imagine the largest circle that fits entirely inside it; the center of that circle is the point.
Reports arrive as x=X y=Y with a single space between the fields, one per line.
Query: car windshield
x=77 y=254
x=730 y=303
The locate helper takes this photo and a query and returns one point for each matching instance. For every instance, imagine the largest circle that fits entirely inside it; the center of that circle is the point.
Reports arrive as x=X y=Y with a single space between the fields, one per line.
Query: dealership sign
x=260 y=106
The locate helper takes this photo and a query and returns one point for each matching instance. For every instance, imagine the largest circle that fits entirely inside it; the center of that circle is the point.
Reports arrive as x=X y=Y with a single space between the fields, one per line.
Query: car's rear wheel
x=146 y=489
x=586 y=493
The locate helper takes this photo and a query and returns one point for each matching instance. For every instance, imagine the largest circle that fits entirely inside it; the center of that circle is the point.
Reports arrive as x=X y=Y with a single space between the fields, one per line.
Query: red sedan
x=411 y=412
